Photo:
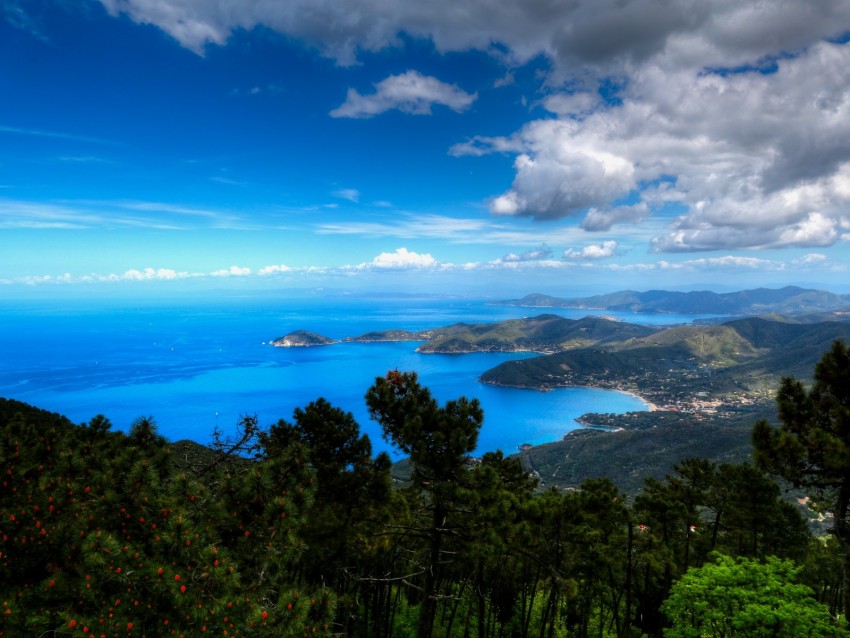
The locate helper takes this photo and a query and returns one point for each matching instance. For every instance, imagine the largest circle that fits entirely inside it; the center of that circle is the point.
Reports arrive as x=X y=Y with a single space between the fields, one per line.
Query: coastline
x=651 y=407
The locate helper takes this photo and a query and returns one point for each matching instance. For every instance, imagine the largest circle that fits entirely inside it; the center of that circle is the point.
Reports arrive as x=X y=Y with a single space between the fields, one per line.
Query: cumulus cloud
x=535 y=254
x=594 y=251
x=403 y=259
x=741 y=109
x=581 y=34
x=755 y=159
x=598 y=219
x=149 y=274
x=410 y=92
x=563 y=173
x=274 y=269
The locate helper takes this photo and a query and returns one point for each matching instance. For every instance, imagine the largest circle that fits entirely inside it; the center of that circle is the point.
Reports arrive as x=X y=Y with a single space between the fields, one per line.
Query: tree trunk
x=842 y=533
x=428 y=605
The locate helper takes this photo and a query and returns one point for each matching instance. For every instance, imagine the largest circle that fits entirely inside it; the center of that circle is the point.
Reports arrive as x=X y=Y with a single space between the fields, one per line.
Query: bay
x=197 y=364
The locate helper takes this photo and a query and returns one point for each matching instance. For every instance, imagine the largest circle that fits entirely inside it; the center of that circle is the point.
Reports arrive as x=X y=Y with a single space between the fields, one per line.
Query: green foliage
x=744 y=597
x=544 y=333
x=297 y=530
x=811 y=449
x=100 y=536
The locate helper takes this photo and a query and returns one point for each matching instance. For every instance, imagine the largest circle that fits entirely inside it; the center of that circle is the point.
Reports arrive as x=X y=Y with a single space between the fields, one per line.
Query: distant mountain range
x=790 y=300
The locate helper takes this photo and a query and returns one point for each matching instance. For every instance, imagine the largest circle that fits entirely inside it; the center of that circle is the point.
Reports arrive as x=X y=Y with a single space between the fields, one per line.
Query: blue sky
x=485 y=146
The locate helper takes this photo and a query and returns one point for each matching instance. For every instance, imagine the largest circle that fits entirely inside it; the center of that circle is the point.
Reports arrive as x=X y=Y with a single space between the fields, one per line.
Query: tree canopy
x=749 y=598
x=297 y=529
x=811 y=448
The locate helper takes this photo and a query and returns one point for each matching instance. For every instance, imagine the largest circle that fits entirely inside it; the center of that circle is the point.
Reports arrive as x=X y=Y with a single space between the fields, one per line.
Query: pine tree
x=811 y=448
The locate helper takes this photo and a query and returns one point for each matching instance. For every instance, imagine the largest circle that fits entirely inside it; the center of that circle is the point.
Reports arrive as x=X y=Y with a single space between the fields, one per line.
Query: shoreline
x=651 y=407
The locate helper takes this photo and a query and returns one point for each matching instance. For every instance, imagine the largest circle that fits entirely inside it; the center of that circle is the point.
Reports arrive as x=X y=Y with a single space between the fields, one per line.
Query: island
x=301 y=339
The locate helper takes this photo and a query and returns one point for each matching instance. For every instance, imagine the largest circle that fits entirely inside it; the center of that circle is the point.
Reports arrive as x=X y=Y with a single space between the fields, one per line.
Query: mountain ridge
x=787 y=300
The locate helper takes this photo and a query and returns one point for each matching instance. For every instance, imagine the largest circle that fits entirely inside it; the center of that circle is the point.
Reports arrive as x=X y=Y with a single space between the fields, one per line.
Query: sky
x=450 y=146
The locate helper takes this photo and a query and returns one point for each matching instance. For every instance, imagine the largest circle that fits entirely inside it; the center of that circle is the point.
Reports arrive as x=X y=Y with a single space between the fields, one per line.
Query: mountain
x=708 y=386
x=544 y=333
x=671 y=366
x=789 y=300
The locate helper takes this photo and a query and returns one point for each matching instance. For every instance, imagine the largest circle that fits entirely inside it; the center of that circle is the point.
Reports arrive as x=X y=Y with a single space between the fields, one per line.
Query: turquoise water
x=195 y=366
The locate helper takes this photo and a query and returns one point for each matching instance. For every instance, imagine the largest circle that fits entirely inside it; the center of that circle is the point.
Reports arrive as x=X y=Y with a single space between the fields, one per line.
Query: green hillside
x=544 y=333
x=684 y=358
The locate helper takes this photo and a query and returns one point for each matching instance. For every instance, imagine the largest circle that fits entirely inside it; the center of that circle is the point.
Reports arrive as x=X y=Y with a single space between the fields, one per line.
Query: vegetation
x=737 y=363
x=545 y=333
x=744 y=597
x=812 y=448
x=296 y=530
x=302 y=338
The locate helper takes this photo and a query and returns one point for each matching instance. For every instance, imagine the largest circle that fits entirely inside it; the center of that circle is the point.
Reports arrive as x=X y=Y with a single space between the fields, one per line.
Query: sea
x=200 y=364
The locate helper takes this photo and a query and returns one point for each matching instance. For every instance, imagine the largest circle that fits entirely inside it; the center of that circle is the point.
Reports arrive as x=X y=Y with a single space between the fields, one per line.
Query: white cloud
x=402 y=259
x=586 y=260
x=563 y=172
x=535 y=254
x=812 y=259
x=148 y=274
x=109 y=214
x=604 y=250
x=14 y=130
x=507 y=79
x=574 y=105
x=739 y=113
x=274 y=269
x=410 y=92
x=755 y=160
x=600 y=35
x=233 y=271
x=728 y=262
x=598 y=219
x=455 y=230
x=351 y=194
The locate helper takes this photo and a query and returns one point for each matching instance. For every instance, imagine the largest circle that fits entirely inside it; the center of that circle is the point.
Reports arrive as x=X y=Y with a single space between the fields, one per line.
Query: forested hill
x=544 y=333
x=790 y=300
x=743 y=355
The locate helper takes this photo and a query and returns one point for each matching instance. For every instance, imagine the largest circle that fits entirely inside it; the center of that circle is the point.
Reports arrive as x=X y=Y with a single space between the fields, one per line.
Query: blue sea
x=194 y=365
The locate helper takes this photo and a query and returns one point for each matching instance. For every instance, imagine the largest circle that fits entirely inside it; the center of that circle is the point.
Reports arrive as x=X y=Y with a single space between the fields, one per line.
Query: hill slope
x=544 y=333
x=673 y=365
